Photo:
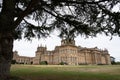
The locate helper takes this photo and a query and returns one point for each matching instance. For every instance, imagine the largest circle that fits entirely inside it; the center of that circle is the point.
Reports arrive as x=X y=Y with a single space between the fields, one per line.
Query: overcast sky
x=28 y=48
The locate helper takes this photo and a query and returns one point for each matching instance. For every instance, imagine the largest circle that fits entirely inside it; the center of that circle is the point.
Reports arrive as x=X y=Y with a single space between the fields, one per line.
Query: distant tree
x=117 y=63
x=112 y=60
x=85 y=17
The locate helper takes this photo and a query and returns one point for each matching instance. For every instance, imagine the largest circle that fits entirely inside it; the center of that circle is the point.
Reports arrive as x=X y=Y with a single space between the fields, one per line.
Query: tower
x=40 y=51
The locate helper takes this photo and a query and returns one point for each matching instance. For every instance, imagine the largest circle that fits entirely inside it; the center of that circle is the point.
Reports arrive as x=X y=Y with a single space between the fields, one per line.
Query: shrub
x=43 y=63
x=63 y=63
x=113 y=62
x=13 y=61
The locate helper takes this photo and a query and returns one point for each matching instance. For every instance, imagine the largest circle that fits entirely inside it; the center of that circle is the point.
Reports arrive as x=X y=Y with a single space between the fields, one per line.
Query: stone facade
x=22 y=59
x=70 y=54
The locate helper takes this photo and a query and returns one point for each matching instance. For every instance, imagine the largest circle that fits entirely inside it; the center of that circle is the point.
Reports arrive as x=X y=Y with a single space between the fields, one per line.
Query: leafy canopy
x=37 y=18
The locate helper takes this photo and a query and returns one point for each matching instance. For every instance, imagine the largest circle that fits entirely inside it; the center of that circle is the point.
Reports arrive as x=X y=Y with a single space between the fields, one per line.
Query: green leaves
x=32 y=31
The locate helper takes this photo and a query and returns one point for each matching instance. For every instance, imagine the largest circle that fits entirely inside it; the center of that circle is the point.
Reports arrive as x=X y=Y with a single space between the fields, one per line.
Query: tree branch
x=81 y=2
x=25 y=12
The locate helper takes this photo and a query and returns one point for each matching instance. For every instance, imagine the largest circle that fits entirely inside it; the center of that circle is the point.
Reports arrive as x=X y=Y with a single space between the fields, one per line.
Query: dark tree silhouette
x=85 y=17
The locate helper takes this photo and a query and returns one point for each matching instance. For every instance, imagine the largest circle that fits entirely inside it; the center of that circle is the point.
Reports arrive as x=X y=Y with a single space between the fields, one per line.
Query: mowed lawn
x=66 y=72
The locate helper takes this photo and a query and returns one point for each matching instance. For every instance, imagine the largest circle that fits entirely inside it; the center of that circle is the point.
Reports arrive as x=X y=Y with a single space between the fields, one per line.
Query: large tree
x=37 y=18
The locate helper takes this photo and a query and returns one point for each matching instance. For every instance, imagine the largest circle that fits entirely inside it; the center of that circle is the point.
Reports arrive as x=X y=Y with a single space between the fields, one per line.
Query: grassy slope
x=58 y=72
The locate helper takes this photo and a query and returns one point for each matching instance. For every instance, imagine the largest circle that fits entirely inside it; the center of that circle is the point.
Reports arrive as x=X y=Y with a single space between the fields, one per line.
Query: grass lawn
x=66 y=72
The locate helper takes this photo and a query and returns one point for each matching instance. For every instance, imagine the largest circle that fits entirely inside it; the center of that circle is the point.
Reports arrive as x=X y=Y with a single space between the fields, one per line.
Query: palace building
x=67 y=53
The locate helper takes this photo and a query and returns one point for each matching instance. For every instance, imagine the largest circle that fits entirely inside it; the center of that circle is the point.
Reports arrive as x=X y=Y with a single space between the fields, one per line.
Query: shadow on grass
x=15 y=78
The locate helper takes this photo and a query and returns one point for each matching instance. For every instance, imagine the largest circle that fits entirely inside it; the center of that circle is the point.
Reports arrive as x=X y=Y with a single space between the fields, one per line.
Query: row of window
x=68 y=51
x=70 y=59
x=23 y=60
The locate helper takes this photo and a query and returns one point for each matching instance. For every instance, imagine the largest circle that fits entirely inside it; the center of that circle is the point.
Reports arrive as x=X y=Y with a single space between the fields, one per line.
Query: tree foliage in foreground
x=38 y=18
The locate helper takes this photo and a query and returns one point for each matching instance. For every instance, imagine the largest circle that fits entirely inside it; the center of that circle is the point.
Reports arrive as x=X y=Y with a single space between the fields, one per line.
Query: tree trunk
x=5 y=70
x=6 y=54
